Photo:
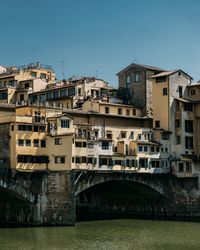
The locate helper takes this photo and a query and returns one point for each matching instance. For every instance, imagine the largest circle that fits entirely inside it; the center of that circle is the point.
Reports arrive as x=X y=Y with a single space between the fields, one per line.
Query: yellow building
x=20 y=79
x=32 y=145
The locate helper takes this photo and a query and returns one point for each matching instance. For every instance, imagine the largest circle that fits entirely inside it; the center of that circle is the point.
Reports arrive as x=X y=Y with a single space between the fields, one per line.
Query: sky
x=101 y=37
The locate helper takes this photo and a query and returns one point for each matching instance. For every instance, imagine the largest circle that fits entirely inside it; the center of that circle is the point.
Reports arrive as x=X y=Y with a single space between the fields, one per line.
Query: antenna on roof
x=135 y=60
x=96 y=73
x=63 y=69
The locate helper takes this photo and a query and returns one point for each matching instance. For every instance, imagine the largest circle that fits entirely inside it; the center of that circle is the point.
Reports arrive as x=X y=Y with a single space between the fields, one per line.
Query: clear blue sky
x=102 y=35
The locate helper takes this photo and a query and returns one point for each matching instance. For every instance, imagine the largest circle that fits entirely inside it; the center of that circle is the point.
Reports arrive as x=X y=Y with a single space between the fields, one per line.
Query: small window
x=145 y=148
x=165 y=136
x=20 y=142
x=43 y=143
x=188 y=167
x=157 y=124
x=178 y=140
x=132 y=135
x=36 y=143
x=12 y=127
x=157 y=149
x=79 y=91
x=177 y=123
x=105 y=145
x=128 y=79
x=58 y=141
x=119 y=111
x=188 y=107
x=64 y=123
x=128 y=112
x=164 y=91
x=192 y=92
x=33 y=74
x=152 y=149
x=140 y=148
x=107 y=110
x=43 y=76
x=123 y=134
x=136 y=77
x=180 y=91
x=189 y=126
x=28 y=143
x=78 y=144
x=134 y=112
x=59 y=159
x=180 y=167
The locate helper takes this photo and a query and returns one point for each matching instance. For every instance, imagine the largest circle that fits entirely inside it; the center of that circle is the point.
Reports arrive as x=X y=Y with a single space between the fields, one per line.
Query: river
x=113 y=234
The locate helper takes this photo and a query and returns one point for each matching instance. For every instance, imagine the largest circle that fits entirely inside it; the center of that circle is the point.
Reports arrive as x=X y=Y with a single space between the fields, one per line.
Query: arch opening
x=119 y=199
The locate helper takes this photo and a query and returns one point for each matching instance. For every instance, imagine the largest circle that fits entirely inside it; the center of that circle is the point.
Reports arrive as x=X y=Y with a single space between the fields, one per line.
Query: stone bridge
x=57 y=197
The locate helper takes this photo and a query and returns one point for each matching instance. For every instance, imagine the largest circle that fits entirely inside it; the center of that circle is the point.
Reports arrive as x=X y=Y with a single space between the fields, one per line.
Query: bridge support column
x=56 y=203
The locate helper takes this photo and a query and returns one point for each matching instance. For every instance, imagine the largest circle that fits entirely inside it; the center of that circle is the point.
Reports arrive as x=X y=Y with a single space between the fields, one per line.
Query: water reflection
x=116 y=234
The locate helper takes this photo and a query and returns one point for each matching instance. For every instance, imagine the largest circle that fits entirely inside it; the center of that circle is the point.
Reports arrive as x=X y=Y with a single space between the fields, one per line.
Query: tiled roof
x=142 y=66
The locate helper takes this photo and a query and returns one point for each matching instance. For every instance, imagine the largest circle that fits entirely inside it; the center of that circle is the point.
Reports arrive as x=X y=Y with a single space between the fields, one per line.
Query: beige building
x=15 y=82
x=173 y=116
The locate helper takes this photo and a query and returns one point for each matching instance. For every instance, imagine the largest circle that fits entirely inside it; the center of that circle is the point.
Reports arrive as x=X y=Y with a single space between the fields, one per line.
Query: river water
x=115 y=234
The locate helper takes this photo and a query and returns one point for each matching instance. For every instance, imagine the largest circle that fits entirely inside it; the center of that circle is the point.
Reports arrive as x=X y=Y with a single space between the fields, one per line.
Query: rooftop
x=153 y=68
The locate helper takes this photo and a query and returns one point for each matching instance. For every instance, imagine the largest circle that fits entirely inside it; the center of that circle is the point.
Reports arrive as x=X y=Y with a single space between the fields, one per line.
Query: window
x=152 y=149
x=84 y=159
x=161 y=79
x=157 y=124
x=155 y=164
x=119 y=111
x=79 y=91
x=136 y=77
x=123 y=134
x=109 y=135
x=59 y=159
x=107 y=110
x=132 y=135
x=58 y=141
x=25 y=127
x=105 y=145
x=164 y=91
x=28 y=143
x=32 y=159
x=177 y=123
x=43 y=143
x=64 y=123
x=165 y=136
x=36 y=143
x=3 y=96
x=12 y=127
x=128 y=79
x=128 y=112
x=188 y=107
x=33 y=74
x=140 y=148
x=35 y=128
x=143 y=162
x=189 y=142
x=188 y=126
x=178 y=140
x=84 y=144
x=20 y=142
x=43 y=76
x=145 y=148
x=157 y=149
x=26 y=85
x=188 y=167
x=78 y=160
x=177 y=103
x=180 y=91
x=180 y=167
x=192 y=92
x=134 y=112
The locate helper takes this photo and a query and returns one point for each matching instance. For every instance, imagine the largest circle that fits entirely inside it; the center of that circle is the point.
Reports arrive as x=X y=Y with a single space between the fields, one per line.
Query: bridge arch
x=86 y=180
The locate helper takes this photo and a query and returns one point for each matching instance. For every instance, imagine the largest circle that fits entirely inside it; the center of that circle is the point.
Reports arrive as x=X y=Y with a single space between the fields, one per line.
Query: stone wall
x=37 y=198
x=4 y=145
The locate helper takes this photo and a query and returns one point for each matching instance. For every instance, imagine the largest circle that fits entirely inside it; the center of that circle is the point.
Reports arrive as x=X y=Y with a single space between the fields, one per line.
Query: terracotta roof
x=167 y=73
x=142 y=66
